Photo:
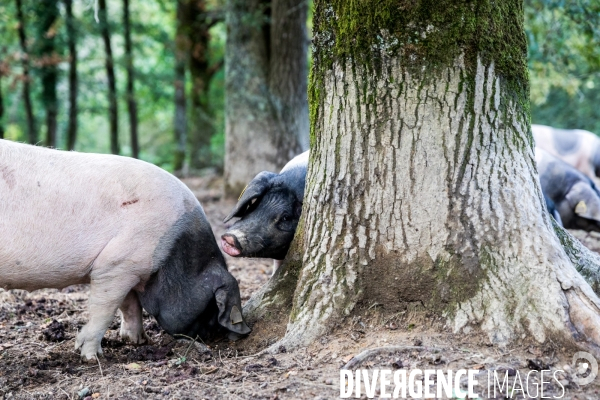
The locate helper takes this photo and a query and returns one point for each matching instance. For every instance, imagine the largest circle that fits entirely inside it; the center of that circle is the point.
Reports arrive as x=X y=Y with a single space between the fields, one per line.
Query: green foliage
x=564 y=61
x=153 y=34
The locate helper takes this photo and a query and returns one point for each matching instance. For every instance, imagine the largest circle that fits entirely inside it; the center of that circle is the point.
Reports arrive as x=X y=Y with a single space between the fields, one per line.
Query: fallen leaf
x=133 y=367
x=95 y=395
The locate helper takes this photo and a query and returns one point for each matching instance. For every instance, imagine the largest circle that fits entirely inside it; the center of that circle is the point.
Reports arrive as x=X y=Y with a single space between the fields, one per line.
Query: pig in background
x=131 y=230
x=576 y=147
x=269 y=209
x=552 y=210
x=568 y=193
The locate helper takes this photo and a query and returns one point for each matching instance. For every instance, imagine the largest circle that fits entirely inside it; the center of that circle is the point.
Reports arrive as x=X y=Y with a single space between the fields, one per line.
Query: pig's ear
x=584 y=201
x=230 y=309
x=256 y=188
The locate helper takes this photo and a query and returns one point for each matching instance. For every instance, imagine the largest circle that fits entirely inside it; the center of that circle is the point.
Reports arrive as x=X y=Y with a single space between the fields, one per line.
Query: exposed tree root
x=585 y=261
x=275 y=297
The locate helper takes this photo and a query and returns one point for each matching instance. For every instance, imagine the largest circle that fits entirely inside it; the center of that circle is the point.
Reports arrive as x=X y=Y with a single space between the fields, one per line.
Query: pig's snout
x=231 y=245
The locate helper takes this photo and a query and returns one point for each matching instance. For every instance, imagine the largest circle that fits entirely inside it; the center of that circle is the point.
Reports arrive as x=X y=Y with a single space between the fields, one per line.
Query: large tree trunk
x=202 y=127
x=422 y=187
x=73 y=82
x=131 y=103
x=266 y=120
x=31 y=132
x=110 y=73
x=180 y=120
x=288 y=69
x=47 y=15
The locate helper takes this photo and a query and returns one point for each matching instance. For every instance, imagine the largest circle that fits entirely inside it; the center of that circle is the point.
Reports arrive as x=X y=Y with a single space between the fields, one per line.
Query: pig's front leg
x=132 y=327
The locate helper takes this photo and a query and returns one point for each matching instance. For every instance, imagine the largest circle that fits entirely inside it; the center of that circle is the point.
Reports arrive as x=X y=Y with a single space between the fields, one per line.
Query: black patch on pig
x=557 y=179
x=552 y=210
x=565 y=141
x=269 y=227
x=191 y=278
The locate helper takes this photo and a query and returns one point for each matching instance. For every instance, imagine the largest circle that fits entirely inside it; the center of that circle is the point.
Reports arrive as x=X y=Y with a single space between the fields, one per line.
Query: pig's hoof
x=89 y=348
x=134 y=336
x=89 y=358
x=90 y=353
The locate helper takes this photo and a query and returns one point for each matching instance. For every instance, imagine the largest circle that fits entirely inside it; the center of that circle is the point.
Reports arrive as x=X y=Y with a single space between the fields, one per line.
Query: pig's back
x=574 y=146
x=58 y=209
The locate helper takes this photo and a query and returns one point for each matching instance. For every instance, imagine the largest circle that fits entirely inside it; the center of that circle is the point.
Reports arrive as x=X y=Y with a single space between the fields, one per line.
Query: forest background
x=55 y=84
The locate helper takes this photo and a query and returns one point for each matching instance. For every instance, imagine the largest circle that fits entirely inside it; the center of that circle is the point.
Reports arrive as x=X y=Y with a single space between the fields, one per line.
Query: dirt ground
x=38 y=360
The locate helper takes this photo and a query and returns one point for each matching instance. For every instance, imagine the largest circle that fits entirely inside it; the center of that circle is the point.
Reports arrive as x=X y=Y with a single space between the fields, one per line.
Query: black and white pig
x=133 y=231
x=576 y=147
x=269 y=209
x=574 y=196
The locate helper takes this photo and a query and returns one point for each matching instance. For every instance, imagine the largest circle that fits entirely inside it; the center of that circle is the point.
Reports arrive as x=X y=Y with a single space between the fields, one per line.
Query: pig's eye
x=285 y=218
x=250 y=205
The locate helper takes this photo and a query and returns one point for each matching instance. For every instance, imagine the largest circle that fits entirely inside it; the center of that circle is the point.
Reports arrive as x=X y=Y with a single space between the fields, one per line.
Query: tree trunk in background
x=289 y=67
x=47 y=58
x=73 y=90
x=265 y=75
x=131 y=103
x=180 y=121
x=202 y=128
x=110 y=73
x=422 y=192
x=31 y=132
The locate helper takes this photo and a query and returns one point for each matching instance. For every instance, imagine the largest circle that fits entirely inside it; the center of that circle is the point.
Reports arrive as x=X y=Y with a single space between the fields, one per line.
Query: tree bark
x=110 y=74
x=422 y=188
x=73 y=81
x=180 y=121
x=288 y=69
x=265 y=121
x=31 y=131
x=131 y=103
x=202 y=127
x=47 y=58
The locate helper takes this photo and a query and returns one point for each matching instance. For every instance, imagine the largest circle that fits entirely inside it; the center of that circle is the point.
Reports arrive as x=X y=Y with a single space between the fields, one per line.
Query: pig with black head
x=133 y=231
x=572 y=197
x=269 y=209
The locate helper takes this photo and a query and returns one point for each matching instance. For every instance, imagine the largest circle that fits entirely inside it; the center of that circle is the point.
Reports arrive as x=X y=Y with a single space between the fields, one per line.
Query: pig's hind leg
x=132 y=327
x=111 y=279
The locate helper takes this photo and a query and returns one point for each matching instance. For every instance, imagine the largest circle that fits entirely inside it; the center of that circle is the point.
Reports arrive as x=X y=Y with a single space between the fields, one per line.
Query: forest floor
x=38 y=360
